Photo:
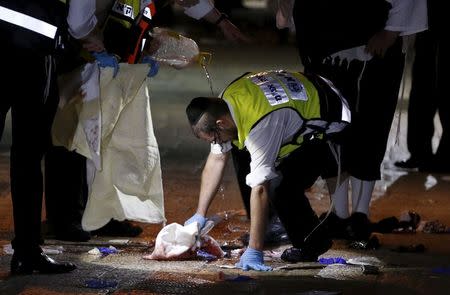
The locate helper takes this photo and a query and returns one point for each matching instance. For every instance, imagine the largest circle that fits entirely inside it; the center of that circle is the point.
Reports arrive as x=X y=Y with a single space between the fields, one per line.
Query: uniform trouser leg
x=372 y=114
x=300 y=170
x=443 y=63
x=422 y=100
x=241 y=162
x=5 y=105
x=31 y=116
x=65 y=187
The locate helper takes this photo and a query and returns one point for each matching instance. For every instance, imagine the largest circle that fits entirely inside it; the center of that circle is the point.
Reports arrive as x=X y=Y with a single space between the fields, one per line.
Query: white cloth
x=129 y=185
x=114 y=130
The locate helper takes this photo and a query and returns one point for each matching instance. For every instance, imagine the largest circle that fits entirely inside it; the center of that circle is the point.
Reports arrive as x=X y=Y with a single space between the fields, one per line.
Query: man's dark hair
x=210 y=108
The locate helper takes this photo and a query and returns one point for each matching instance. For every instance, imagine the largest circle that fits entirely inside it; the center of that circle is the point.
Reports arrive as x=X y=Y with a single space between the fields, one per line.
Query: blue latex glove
x=197 y=218
x=105 y=59
x=253 y=259
x=154 y=65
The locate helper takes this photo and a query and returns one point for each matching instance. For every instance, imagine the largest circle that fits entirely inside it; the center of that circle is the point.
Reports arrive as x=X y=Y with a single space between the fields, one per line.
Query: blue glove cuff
x=105 y=59
x=154 y=65
x=200 y=219
x=253 y=253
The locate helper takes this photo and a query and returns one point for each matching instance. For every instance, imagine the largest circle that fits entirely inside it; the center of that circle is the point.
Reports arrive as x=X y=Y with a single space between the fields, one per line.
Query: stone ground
x=182 y=157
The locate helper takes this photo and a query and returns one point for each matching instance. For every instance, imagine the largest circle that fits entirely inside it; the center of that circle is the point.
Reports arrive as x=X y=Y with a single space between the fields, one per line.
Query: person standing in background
x=107 y=30
x=34 y=34
x=427 y=97
x=358 y=46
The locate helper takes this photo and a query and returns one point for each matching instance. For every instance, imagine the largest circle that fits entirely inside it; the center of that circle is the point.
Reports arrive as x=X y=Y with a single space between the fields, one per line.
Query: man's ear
x=220 y=123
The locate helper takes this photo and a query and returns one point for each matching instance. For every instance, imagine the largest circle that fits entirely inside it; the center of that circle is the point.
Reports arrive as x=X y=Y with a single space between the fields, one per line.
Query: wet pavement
x=182 y=158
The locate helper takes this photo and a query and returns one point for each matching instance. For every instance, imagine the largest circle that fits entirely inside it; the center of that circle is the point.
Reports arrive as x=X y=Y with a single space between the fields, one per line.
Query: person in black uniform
x=427 y=97
x=30 y=91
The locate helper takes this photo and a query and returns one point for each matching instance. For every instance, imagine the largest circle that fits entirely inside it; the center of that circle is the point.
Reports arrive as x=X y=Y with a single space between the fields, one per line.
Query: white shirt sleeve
x=81 y=18
x=407 y=16
x=264 y=142
x=200 y=9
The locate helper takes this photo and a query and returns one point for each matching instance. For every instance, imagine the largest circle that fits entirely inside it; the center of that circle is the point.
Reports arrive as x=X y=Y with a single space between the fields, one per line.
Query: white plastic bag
x=176 y=242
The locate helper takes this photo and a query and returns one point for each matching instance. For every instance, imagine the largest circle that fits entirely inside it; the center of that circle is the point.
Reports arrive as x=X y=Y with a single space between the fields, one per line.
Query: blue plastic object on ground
x=107 y=250
x=205 y=255
x=100 y=284
x=332 y=260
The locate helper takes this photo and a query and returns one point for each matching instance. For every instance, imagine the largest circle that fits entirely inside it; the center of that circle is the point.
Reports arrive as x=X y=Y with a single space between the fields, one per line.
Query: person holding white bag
x=118 y=41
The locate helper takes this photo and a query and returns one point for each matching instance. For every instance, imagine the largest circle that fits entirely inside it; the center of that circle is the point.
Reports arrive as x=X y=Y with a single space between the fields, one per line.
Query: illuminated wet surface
x=182 y=158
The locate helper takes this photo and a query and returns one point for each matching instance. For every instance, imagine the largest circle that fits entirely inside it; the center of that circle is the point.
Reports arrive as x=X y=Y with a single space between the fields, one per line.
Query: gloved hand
x=197 y=218
x=105 y=59
x=253 y=259
x=154 y=65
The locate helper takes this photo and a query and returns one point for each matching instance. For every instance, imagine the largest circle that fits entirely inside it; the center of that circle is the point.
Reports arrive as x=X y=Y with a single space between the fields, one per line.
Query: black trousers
x=371 y=89
x=27 y=80
x=299 y=170
x=65 y=188
x=427 y=97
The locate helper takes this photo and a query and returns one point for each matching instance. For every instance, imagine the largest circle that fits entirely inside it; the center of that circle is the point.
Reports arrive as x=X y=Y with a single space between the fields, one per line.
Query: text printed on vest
x=269 y=83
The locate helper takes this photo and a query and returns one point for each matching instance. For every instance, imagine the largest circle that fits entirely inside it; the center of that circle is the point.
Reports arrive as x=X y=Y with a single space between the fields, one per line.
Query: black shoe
x=359 y=227
x=116 y=228
x=336 y=226
x=21 y=265
x=72 y=233
x=408 y=164
x=386 y=225
x=308 y=253
x=276 y=233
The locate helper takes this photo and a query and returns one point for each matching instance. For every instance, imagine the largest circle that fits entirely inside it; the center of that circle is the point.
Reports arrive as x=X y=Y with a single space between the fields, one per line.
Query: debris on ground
x=100 y=284
x=49 y=250
x=372 y=244
x=441 y=270
x=340 y=272
x=433 y=227
x=365 y=260
x=332 y=260
x=350 y=271
x=104 y=251
x=407 y=223
x=233 y=277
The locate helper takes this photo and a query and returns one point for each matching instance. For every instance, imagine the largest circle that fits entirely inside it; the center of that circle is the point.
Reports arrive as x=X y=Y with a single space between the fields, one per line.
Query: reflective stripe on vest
x=28 y=22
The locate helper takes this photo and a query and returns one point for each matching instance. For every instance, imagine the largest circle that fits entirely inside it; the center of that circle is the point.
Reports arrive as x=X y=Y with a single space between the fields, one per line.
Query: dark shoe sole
x=310 y=254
